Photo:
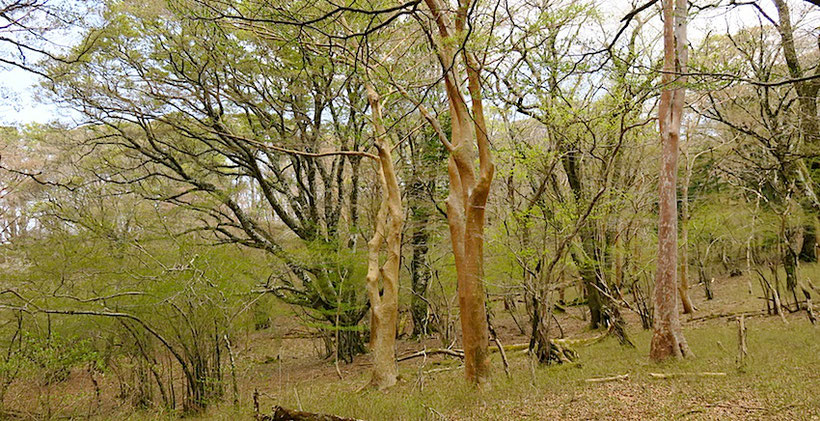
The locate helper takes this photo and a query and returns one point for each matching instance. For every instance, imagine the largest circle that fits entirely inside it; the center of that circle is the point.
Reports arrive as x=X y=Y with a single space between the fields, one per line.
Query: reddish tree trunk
x=468 y=190
x=667 y=339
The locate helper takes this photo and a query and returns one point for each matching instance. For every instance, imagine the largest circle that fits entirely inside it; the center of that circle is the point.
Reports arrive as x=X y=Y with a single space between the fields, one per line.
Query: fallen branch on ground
x=427 y=352
x=621 y=377
x=730 y=314
x=560 y=344
x=581 y=341
x=677 y=375
x=439 y=370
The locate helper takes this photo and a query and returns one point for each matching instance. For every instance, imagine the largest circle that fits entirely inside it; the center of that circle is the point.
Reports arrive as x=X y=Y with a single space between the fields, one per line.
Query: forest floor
x=780 y=380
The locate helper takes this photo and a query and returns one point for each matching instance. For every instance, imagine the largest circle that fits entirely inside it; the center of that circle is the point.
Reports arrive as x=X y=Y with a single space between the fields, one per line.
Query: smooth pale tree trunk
x=468 y=191
x=667 y=338
x=384 y=307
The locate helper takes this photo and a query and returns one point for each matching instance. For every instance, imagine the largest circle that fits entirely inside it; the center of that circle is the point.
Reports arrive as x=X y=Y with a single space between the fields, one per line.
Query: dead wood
x=679 y=375
x=727 y=314
x=560 y=345
x=581 y=341
x=428 y=352
x=618 y=378
x=282 y=414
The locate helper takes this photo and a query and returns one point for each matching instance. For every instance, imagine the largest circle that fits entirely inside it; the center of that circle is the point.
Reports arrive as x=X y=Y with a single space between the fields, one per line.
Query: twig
x=439 y=370
x=433 y=410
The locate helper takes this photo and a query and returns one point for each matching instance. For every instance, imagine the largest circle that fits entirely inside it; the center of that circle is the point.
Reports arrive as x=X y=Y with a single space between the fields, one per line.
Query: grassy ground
x=781 y=379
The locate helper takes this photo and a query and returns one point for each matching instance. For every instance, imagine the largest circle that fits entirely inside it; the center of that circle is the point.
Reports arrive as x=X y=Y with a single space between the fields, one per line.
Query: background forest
x=485 y=209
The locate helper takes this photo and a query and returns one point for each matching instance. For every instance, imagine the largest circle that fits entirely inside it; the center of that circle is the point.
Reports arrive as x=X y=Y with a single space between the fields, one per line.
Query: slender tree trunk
x=808 y=252
x=688 y=308
x=419 y=270
x=791 y=247
x=618 y=265
x=384 y=307
x=667 y=339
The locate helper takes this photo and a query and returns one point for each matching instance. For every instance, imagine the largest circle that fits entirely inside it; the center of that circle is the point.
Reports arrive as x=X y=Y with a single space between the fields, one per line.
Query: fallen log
x=282 y=414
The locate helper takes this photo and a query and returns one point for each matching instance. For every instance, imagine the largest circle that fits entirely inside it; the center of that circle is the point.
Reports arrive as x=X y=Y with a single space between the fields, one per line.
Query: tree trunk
x=384 y=307
x=667 y=338
x=468 y=194
x=808 y=253
x=589 y=277
x=791 y=246
x=419 y=270
x=688 y=308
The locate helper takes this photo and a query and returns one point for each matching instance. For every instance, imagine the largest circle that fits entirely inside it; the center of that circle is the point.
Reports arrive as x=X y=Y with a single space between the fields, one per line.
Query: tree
x=253 y=133
x=579 y=157
x=766 y=116
x=667 y=338
x=28 y=29
x=807 y=93
x=384 y=306
x=469 y=191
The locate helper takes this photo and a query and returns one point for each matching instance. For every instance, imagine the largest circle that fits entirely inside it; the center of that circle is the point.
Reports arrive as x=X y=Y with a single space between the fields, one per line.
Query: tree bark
x=468 y=191
x=808 y=252
x=384 y=307
x=419 y=270
x=688 y=308
x=667 y=339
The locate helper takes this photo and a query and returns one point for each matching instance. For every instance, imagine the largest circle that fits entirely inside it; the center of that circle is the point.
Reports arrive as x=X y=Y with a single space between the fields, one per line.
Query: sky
x=20 y=105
